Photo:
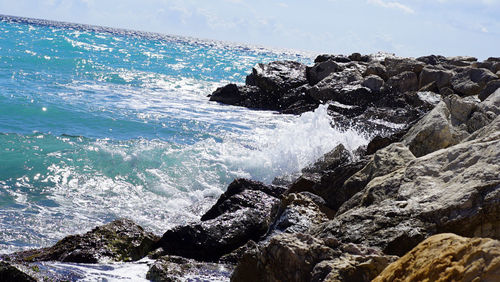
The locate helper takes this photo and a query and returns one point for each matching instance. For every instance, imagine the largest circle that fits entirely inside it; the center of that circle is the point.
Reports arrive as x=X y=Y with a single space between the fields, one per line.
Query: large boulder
x=403 y=82
x=471 y=81
x=120 y=240
x=490 y=88
x=376 y=68
x=395 y=66
x=442 y=78
x=335 y=58
x=246 y=96
x=447 y=257
x=491 y=104
x=11 y=273
x=243 y=213
x=321 y=70
x=343 y=87
x=373 y=82
x=173 y=268
x=451 y=190
x=301 y=257
x=277 y=76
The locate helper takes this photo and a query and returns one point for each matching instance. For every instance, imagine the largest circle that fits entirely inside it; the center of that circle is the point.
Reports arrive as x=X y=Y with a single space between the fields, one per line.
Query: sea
x=100 y=123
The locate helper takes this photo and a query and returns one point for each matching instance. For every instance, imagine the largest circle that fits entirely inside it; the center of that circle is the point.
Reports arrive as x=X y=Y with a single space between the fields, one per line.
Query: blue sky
x=407 y=28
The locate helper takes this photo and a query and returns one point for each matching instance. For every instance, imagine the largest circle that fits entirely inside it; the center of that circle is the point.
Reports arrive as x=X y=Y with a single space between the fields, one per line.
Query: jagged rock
x=471 y=81
x=351 y=268
x=491 y=87
x=344 y=110
x=277 y=76
x=173 y=268
x=376 y=68
x=384 y=161
x=433 y=132
x=321 y=70
x=10 y=273
x=306 y=258
x=395 y=66
x=334 y=86
x=373 y=82
x=447 y=257
x=358 y=57
x=452 y=190
x=299 y=211
x=431 y=60
x=243 y=213
x=336 y=157
x=246 y=96
x=120 y=240
x=460 y=61
x=335 y=58
x=442 y=78
x=491 y=104
x=403 y=82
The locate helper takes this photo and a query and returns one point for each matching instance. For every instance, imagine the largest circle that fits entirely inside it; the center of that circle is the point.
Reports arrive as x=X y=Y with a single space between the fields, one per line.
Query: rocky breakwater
x=433 y=168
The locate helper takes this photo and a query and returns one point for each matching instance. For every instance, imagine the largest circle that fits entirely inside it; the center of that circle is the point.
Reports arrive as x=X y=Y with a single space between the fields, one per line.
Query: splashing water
x=97 y=124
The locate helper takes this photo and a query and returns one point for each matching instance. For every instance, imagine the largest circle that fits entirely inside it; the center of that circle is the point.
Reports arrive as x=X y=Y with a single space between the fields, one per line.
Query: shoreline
x=348 y=216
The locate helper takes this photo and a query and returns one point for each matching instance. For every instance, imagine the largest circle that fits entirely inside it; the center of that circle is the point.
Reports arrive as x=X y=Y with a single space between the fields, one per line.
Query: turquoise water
x=97 y=123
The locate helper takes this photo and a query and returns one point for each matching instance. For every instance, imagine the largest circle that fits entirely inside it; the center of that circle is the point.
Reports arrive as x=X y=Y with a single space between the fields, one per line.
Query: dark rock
x=335 y=58
x=10 y=273
x=120 y=240
x=396 y=66
x=241 y=214
x=321 y=70
x=471 y=81
x=379 y=142
x=491 y=87
x=376 y=68
x=442 y=78
x=241 y=193
x=277 y=76
x=173 y=268
x=432 y=60
x=336 y=157
x=446 y=91
x=345 y=110
x=403 y=82
x=245 y=96
x=461 y=61
x=373 y=82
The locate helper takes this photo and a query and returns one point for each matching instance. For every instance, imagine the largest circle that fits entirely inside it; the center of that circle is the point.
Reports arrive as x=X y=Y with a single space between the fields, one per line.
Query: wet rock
x=451 y=190
x=243 y=213
x=11 y=273
x=173 y=268
x=491 y=87
x=306 y=258
x=471 y=81
x=441 y=78
x=376 y=68
x=277 y=76
x=447 y=257
x=335 y=58
x=433 y=132
x=336 y=157
x=321 y=70
x=395 y=66
x=245 y=96
x=120 y=240
x=344 y=110
x=403 y=82
x=373 y=82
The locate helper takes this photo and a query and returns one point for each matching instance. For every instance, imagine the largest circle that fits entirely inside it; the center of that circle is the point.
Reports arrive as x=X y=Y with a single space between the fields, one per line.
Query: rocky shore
x=420 y=202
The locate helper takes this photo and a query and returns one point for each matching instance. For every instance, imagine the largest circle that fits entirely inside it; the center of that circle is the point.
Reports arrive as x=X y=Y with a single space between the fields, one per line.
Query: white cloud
x=392 y=5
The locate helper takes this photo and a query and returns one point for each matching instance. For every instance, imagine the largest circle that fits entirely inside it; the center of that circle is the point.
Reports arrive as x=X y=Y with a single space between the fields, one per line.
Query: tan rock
x=447 y=257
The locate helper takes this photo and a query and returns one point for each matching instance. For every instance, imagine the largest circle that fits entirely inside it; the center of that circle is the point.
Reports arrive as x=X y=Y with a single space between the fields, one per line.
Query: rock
x=298 y=212
x=446 y=91
x=433 y=132
x=358 y=57
x=431 y=60
x=335 y=58
x=460 y=61
x=336 y=157
x=384 y=161
x=451 y=190
x=173 y=268
x=491 y=87
x=376 y=68
x=344 y=110
x=471 y=81
x=241 y=214
x=442 y=78
x=321 y=70
x=373 y=82
x=245 y=96
x=447 y=257
x=10 y=273
x=120 y=240
x=395 y=66
x=306 y=258
x=277 y=76
x=403 y=82
x=491 y=104
x=351 y=268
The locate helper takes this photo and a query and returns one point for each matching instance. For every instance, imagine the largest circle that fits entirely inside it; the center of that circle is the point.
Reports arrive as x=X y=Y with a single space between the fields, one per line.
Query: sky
x=407 y=28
